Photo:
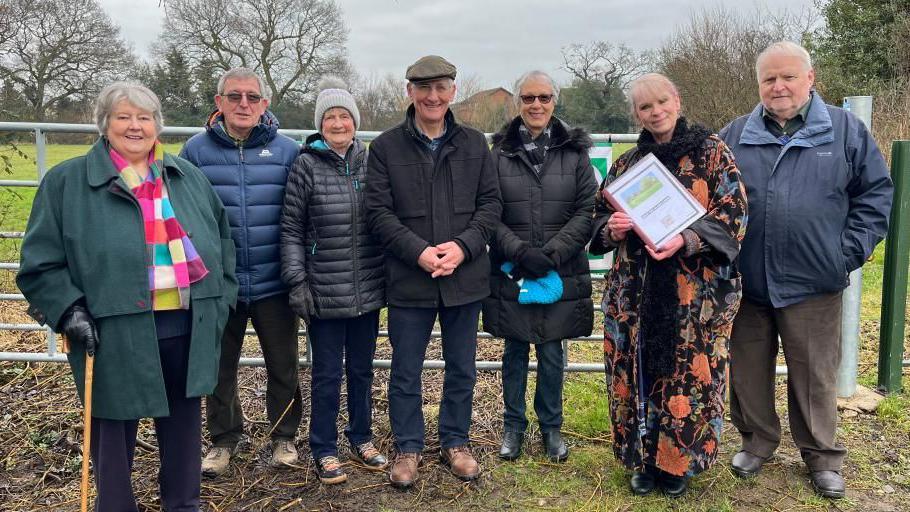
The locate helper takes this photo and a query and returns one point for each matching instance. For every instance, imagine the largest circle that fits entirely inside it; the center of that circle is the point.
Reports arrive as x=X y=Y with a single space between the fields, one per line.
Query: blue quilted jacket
x=250 y=179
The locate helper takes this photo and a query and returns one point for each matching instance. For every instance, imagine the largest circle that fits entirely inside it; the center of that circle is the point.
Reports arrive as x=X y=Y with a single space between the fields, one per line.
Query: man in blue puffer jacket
x=247 y=162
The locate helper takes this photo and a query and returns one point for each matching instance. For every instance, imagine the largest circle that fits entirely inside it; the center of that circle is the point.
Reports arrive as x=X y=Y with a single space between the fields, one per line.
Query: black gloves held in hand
x=533 y=263
x=301 y=301
x=79 y=327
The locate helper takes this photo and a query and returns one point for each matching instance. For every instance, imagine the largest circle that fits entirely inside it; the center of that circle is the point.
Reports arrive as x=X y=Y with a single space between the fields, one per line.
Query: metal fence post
x=894 y=285
x=41 y=161
x=853 y=295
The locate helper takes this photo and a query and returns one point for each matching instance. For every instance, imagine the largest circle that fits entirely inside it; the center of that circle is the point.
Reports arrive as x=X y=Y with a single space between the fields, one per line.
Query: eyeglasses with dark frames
x=237 y=97
x=528 y=99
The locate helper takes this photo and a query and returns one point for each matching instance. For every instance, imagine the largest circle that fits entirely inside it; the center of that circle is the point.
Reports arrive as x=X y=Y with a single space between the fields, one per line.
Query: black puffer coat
x=324 y=236
x=552 y=210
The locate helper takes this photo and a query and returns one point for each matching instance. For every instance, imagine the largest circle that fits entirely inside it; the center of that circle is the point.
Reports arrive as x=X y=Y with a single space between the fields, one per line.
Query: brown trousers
x=810 y=332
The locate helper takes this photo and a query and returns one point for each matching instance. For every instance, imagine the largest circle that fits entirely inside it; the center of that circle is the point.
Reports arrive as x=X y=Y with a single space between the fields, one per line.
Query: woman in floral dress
x=669 y=311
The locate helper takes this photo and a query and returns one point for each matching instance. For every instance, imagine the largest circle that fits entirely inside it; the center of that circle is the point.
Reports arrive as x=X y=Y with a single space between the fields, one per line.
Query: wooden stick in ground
x=87 y=431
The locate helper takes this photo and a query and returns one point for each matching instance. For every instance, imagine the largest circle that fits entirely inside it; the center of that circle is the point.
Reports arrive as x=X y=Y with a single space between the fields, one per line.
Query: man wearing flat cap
x=432 y=199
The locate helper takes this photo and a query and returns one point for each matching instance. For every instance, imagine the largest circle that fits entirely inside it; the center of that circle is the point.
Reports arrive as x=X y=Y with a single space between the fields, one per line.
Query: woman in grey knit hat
x=334 y=269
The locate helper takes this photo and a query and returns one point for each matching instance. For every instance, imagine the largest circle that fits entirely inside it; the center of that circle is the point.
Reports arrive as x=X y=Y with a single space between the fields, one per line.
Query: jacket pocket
x=465 y=180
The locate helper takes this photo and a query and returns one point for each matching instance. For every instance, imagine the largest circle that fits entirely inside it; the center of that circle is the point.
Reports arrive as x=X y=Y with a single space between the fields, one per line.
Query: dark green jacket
x=85 y=240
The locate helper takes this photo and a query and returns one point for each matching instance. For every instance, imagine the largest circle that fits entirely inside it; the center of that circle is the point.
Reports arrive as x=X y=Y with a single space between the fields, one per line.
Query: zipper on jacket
x=315 y=240
x=243 y=222
x=354 y=186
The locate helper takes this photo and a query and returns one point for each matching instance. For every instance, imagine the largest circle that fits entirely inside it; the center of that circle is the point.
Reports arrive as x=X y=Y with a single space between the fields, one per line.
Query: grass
x=591 y=480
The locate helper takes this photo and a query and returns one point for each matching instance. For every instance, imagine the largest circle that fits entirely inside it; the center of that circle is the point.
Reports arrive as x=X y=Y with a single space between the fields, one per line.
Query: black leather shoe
x=557 y=451
x=642 y=483
x=672 y=485
x=511 y=445
x=746 y=465
x=828 y=484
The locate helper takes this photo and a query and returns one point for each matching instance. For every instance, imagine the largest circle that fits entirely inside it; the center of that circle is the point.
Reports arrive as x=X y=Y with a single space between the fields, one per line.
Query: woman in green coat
x=128 y=253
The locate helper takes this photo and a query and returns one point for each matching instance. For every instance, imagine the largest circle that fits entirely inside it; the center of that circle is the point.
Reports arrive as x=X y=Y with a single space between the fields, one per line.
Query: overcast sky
x=496 y=40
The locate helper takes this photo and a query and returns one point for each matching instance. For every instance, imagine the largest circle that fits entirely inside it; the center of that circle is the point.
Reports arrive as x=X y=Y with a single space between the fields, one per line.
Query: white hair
x=242 y=74
x=133 y=93
x=536 y=74
x=786 y=49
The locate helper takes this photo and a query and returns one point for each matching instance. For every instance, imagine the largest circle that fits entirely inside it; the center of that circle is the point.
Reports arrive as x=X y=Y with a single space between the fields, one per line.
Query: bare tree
x=59 y=51
x=290 y=42
x=712 y=59
x=600 y=61
x=468 y=85
x=381 y=101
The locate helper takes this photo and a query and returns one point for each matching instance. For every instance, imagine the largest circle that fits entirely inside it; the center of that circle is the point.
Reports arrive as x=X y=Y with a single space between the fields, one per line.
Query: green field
x=591 y=479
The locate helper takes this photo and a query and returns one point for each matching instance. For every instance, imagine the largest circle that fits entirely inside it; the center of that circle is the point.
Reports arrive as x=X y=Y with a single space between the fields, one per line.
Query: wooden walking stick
x=87 y=423
x=87 y=430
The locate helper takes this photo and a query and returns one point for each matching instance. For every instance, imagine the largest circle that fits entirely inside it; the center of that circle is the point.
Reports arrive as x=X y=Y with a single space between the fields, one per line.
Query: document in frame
x=660 y=207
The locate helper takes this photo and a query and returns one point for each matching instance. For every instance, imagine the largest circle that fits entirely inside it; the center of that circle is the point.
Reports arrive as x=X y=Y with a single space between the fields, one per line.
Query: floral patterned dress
x=674 y=421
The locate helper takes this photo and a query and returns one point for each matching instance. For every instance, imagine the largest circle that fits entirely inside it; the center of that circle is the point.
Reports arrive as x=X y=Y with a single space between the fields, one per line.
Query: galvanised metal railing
x=41 y=130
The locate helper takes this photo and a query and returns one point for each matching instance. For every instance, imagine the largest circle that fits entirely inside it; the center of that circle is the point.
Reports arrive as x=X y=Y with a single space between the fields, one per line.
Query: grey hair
x=243 y=74
x=135 y=94
x=535 y=75
x=787 y=49
x=649 y=82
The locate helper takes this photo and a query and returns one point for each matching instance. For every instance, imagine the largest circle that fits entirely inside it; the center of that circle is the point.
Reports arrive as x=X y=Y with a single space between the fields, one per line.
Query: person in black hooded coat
x=548 y=188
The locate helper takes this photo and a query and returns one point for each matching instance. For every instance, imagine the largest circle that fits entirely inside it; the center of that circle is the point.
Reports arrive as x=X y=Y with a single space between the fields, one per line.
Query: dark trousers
x=179 y=444
x=409 y=333
x=348 y=345
x=547 y=396
x=276 y=327
x=810 y=332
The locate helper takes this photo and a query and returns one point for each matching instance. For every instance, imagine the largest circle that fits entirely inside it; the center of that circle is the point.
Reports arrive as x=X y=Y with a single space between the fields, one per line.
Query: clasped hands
x=619 y=224
x=441 y=260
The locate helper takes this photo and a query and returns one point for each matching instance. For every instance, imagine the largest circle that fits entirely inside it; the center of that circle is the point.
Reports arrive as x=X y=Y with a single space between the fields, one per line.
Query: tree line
x=56 y=54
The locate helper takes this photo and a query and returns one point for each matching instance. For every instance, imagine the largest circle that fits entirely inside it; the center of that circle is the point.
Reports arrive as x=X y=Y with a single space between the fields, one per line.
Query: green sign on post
x=601 y=159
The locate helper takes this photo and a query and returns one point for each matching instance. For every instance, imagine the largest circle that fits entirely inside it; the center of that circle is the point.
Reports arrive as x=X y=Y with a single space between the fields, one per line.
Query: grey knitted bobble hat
x=333 y=92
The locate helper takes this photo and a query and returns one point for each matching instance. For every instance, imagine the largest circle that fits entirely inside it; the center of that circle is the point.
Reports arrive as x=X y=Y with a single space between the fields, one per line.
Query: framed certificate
x=660 y=207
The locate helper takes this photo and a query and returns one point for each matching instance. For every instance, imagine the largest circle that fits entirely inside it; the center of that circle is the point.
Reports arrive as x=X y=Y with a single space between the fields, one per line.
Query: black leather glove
x=301 y=301
x=534 y=263
x=79 y=327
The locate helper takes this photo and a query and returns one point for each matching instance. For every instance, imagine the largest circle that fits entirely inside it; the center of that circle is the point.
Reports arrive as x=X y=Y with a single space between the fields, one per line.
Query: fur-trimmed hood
x=509 y=141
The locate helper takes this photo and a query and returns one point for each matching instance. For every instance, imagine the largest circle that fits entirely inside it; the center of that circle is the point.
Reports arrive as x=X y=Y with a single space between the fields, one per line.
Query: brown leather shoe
x=404 y=470
x=460 y=462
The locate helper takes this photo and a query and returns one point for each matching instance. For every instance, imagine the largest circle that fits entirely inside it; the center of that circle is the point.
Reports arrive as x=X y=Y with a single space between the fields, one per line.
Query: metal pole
x=41 y=161
x=853 y=295
x=894 y=283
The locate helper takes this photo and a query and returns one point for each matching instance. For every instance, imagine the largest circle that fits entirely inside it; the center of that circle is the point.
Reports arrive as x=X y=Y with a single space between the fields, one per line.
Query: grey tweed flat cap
x=430 y=67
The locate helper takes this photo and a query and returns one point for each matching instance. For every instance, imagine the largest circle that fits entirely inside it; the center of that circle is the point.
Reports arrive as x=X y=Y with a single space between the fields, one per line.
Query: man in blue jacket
x=247 y=161
x=819 y=198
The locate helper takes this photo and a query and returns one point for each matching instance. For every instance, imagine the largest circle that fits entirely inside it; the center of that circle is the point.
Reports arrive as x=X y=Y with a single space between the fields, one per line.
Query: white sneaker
x=216 y=461
x=284 y=454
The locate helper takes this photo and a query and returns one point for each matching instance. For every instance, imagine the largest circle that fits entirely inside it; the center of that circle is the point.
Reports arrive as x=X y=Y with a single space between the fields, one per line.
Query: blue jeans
x=409 y=333
x=354 y=340
x=548 y=395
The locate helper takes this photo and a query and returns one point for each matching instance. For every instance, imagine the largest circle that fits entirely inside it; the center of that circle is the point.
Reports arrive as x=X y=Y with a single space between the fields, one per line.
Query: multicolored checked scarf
x=174 y=261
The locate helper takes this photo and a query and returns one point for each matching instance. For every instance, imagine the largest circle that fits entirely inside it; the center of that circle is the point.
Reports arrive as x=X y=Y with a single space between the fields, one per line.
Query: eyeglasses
x=528 y=99
x=237 y=97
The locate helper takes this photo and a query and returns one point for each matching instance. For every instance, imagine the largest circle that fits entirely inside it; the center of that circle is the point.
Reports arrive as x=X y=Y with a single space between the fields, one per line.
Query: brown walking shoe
x=404 y=470
x=217 y=460
x=460 y=462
